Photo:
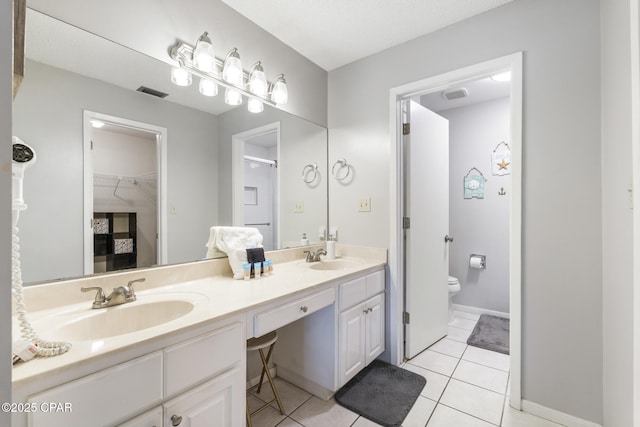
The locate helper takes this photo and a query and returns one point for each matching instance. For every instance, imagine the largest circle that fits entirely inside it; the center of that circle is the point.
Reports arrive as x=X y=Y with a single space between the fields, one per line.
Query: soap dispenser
x=304 y=241
x=331 y=249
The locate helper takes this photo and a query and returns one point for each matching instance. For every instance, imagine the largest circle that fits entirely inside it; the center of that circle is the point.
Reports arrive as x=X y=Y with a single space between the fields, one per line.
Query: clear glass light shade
x=232 y=97
x=180 y=76
x=255 y=105
x=258 y=81
x=203 y=56
x=232 y=71
x=279 y=91
x=208 y=87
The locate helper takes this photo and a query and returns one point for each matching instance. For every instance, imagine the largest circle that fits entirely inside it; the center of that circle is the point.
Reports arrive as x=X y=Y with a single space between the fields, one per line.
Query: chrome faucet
x=119 y=295
x=315 y=257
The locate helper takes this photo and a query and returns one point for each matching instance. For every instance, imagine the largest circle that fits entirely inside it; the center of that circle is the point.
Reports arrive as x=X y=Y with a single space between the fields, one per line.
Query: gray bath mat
x=491 y=333
x=381 y=392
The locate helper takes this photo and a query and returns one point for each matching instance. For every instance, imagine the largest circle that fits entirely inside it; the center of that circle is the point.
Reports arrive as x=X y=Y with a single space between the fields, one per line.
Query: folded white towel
x=233 y=241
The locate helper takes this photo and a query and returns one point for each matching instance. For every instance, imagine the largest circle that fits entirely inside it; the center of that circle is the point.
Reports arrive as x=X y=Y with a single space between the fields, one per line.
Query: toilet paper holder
x=478 y=261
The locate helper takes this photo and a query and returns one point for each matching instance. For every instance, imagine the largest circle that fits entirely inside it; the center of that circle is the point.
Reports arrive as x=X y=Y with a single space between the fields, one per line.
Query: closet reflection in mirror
x=60 y=85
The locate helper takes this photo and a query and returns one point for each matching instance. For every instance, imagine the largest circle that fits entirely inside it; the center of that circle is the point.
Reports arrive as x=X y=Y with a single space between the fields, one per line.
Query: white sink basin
x=92 y=324
x=336 y=264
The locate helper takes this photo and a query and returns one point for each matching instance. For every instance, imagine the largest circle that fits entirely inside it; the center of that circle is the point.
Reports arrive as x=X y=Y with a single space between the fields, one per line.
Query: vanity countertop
x=215 y=297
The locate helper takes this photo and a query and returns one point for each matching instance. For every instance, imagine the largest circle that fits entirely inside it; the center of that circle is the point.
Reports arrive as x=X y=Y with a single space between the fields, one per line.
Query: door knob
x=176 y=420
x=448 y=239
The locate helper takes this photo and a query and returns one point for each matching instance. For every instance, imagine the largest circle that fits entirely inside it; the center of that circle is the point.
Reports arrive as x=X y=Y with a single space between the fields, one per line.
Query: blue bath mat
x=382 y=393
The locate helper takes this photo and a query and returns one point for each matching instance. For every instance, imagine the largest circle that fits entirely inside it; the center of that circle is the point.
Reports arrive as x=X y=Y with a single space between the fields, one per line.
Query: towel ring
x=343 y=165
x=310 y=173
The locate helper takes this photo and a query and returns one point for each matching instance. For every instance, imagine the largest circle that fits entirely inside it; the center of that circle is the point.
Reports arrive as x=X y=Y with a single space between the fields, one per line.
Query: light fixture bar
x=183 y=54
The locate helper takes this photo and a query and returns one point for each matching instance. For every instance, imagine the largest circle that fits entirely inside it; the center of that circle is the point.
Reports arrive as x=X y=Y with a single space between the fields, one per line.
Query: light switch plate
x=364 y=204
x=298 y=207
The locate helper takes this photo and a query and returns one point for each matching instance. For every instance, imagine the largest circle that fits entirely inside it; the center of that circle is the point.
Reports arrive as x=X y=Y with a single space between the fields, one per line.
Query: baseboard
x=476 y=310
x=255 y=380
x=555 y=416
x=310 y=386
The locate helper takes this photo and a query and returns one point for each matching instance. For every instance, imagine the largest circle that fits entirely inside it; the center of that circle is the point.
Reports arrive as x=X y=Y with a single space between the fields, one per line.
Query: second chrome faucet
x=119 y=295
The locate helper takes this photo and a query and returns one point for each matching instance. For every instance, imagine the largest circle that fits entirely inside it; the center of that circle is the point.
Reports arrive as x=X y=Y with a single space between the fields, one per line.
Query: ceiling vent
x=153 y=92
x=450 y=95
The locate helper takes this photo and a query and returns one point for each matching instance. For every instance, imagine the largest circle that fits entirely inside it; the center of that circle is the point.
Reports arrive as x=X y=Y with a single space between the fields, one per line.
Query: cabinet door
x=352 y=342
x=219 y=402
x=374 y=327
x=152 y=418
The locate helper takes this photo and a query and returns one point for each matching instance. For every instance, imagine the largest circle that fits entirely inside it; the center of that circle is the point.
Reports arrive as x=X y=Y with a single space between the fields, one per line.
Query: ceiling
x=333 y=33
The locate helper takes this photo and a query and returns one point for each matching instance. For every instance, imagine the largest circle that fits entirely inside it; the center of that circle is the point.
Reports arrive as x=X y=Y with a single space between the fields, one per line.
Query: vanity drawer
x=284 y=314
x=360 y=289
x=105 y=397
x=193 y=361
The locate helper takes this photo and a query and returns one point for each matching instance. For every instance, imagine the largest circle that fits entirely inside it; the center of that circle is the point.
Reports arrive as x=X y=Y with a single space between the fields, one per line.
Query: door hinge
x=91 y=144
x=406 y=222
x=406 y=128
x=405 y=318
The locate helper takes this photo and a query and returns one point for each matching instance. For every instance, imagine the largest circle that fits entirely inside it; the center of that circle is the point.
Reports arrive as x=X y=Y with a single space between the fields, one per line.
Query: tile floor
x=466 y=387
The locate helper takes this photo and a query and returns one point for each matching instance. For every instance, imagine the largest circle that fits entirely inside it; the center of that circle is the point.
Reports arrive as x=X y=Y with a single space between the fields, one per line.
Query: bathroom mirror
x=69 y=71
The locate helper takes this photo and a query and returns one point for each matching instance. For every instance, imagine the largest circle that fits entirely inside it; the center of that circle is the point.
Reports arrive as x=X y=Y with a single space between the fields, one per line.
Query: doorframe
x=237 y=173
x=396 y=249
x=161 y=153
x=635 y=154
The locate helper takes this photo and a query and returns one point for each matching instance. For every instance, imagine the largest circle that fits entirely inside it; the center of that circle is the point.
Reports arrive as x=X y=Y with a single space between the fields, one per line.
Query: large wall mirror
x=181 y=164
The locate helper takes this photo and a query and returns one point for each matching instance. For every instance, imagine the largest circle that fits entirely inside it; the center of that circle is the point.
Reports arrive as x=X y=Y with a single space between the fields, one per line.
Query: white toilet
x=454 y=288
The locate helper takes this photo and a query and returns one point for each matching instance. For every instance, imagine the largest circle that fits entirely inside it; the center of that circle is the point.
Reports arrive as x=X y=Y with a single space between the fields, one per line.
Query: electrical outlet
x=298 y=207
x=364 y=204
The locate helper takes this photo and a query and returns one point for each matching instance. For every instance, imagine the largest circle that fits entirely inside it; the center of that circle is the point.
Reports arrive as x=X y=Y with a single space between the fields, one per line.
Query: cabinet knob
x=304 y=308
x=176 y=420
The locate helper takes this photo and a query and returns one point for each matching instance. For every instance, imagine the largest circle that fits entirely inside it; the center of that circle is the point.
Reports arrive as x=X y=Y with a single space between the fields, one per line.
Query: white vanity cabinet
x=189 y=383
x=361 y=324
x=151 y=418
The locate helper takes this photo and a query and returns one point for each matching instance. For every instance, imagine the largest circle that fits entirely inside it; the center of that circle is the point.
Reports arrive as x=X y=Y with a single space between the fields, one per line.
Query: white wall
x=617 y=219
x=6 y=77
x=48 y=116
x=561 y=145
x=479 y=226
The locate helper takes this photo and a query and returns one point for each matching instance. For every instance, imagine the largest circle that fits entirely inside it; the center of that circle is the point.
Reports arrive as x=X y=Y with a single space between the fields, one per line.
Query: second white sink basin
x=336 y=264
x=103 y=323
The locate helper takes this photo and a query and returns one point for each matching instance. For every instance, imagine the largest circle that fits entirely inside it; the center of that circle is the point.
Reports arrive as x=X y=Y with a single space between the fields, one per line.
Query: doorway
x=256 y=182
x=124 y=193
x=397 y=251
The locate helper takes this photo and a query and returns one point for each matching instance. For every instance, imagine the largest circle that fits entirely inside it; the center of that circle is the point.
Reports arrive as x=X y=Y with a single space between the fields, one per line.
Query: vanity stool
x=260 y=343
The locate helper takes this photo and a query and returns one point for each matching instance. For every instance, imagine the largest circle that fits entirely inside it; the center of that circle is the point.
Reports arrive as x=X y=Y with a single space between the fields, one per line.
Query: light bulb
x=208 y=87
x=279 y=91
x=232 y=71
x=180 y=77
x=232 y=97
x=203 y=55
x=255 y=105
x=257 y=80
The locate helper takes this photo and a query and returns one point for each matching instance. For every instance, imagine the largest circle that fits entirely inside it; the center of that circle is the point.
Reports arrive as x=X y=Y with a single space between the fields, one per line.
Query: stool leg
x=248 y=416
x=273 y=386
x=265 y=366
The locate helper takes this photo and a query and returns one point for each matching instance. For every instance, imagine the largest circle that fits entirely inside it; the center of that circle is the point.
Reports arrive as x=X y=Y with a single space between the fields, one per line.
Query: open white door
x=427 y=206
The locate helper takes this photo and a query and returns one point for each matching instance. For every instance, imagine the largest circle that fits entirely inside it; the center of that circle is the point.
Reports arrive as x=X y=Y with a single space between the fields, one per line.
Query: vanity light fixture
x=203 y=55
x=180 y=77
x=208 y=87
x=279 y=91
x=199 y=61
